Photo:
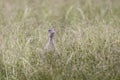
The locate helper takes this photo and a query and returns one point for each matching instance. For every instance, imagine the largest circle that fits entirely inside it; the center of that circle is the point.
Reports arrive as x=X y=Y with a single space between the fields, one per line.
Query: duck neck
x=51 y=40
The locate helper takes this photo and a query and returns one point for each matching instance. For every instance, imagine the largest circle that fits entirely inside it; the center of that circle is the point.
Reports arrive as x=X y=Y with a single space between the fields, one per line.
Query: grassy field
x=87 y=39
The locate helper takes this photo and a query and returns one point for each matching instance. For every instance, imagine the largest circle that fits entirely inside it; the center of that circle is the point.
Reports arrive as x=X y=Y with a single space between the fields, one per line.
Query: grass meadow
x=87 y=39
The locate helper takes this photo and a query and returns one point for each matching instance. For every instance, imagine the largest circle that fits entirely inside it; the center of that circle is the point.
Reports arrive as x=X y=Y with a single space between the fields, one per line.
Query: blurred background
x=87 y=38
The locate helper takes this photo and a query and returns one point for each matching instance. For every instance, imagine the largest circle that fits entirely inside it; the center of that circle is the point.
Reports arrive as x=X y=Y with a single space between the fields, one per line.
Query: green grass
x=87 y=38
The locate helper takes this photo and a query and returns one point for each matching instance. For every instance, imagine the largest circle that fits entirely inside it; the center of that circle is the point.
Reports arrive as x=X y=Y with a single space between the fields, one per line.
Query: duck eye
x=49 y=30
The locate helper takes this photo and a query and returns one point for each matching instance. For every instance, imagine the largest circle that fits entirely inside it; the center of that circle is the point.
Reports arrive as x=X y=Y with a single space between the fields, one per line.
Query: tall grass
x=87 y=38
